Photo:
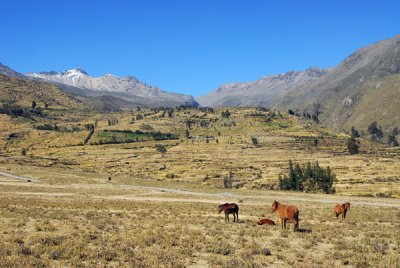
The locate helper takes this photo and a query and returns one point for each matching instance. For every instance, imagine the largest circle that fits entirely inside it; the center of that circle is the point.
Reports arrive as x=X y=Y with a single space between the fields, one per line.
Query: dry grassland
x=160 y=210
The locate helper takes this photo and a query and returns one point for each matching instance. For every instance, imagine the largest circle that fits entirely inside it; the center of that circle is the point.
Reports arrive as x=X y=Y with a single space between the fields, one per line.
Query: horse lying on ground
x=265 y=221
x=341 y=209
x=286 y=213
x=230 y=209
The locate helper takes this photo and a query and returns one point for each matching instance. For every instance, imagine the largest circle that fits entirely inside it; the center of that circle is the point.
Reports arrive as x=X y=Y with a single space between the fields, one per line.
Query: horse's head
x=347 y=205
x=220 y=208
x=274 y=206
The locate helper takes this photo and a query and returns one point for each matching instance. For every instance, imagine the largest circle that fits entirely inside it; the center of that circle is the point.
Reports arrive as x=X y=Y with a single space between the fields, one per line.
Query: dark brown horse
x=341 y=209
x=230 y=209
x=265 y=221
x=286 y=213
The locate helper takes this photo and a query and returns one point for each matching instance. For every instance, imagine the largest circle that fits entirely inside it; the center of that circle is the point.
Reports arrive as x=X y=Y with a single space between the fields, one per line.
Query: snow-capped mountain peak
x=127 y=87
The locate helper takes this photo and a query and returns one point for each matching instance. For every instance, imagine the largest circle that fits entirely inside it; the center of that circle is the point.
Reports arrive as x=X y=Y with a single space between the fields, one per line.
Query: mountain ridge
x=128 y=88
x=340 y=92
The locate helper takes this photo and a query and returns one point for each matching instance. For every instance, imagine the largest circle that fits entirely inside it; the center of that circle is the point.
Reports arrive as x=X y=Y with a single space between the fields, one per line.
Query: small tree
x=187 y=134
x=161 y=149
x=355 y=133
x=392 y=141
x=23 y=152
x=316 y=142
x=33 y=105
x=352 y=145
x=395 y=131
x=227 y=182
x=254 y=141
x=375 y=131
x=225 y=114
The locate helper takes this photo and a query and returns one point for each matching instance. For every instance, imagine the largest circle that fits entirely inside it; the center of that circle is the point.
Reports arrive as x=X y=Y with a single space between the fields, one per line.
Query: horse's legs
x=344 y=215
x=237 y=217
x=296 y=225
x=227 y=217
x=281 y=220
x=284 y=223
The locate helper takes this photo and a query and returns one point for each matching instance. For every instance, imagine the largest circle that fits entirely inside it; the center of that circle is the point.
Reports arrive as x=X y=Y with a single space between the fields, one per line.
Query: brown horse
x=286 y=213
x=230 y=209
x=265 y=221
x=341 y=209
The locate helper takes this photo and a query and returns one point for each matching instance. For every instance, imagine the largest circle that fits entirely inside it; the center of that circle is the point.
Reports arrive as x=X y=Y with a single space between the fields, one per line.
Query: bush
x=375 y=131
x=355 y=133
x=352 y=145
x=47 y=127
x=254 y=141
x=161 y=149
x=392 y=140
x=308 y=178
x=227 y=182
x=225 y=114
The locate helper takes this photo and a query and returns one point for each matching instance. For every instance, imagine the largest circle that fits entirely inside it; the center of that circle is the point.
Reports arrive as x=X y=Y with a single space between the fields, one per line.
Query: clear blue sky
x=189 y=46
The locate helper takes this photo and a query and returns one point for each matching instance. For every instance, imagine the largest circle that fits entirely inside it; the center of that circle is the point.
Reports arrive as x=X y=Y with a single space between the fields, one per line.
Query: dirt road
x=9 y=175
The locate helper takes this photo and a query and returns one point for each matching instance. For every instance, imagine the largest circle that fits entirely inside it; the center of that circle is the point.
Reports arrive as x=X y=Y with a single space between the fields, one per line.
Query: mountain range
x=363 y=88
x=126 y=88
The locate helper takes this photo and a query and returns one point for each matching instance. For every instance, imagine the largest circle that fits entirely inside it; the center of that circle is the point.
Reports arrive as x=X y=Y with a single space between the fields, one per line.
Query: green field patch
x=127 y=136
x=277 y=124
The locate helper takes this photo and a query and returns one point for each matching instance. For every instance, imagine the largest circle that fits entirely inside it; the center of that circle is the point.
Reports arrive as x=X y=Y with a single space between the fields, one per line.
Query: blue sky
x=189 y=46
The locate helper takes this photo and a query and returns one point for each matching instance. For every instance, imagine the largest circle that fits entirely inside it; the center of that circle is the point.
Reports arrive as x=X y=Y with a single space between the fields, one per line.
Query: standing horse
x=286 y=213
x=230 y=209
x=341 y=209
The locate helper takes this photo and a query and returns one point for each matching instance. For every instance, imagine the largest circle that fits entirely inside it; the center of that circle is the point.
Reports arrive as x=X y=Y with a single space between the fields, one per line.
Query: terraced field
x=202 y=147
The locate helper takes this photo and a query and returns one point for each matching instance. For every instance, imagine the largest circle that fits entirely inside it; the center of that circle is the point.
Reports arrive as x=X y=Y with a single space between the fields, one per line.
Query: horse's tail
x=296 y=218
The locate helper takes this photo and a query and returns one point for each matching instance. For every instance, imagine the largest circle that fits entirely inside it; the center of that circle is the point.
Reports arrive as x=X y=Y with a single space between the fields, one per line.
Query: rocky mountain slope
x=264 y=92
x=17 y=92
x=363 y=88
x=7 y=71
x=126 y=88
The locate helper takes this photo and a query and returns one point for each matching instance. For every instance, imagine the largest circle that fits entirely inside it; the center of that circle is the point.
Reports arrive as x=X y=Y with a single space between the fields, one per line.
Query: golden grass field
x=160 y=209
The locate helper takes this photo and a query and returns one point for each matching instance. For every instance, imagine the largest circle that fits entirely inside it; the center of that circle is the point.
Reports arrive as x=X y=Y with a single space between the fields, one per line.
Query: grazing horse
x=341 y=209
x=265 y=221
x=286 y=213
x=230 y=209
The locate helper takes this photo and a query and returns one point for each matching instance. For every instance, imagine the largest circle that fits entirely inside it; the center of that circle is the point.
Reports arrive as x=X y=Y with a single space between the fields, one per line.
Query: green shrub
x=308 y=178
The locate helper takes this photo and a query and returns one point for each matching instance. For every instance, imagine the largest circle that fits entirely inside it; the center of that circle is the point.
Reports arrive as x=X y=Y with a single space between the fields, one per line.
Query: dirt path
x=261 y=197
x=9 y=175
x=281 y=196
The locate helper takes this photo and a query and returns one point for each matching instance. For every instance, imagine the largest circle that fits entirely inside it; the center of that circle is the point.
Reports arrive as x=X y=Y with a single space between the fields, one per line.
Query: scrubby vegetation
x=86 y=226
x=168 y=175
x=308 y=178
x=352 y=145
